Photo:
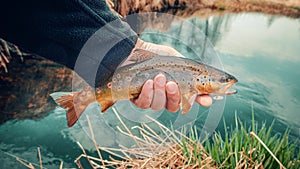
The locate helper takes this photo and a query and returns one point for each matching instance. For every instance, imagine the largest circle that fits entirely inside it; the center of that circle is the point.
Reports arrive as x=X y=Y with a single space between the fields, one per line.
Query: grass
x=240 y=147
x=248 y=148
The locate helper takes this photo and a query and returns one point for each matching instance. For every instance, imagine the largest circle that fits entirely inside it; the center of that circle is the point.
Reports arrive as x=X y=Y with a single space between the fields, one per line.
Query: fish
x=192 y=77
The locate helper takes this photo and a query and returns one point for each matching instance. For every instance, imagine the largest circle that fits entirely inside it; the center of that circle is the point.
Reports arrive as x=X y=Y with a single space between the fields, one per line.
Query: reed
x=240 y=147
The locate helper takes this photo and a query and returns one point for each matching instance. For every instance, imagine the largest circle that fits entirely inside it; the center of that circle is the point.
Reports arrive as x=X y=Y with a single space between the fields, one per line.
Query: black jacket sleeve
x=58 y=29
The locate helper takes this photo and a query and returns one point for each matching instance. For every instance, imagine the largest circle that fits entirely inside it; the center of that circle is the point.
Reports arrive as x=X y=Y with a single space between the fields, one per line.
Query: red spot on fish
x=98 y=90
x=109 y=85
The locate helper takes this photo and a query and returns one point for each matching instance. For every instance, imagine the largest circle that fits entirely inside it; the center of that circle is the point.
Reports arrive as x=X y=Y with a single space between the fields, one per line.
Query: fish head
x=215 y=82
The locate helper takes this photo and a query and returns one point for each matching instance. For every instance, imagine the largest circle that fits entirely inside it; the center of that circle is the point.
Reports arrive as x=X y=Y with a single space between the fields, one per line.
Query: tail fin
x=74 y=111
x=75 y=103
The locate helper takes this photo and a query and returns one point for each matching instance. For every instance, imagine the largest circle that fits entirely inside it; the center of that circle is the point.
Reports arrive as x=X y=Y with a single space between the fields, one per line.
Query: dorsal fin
x=139 y=55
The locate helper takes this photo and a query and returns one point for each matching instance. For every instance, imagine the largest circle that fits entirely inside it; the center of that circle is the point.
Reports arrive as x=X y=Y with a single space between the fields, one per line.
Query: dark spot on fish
x=203 y=83
x=223 y=79
x=204 y=77
x=198 y=80
x=183 y=69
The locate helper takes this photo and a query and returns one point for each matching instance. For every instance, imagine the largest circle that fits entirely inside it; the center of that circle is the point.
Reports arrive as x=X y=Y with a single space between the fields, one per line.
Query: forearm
x=58 y=30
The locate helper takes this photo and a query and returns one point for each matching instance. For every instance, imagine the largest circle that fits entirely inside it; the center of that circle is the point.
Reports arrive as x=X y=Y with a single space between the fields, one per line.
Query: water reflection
x=251 y=35
x=262 y=52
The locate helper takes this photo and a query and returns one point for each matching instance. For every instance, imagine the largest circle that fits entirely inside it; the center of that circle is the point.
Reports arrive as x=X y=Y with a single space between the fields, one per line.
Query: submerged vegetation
x=241 y=147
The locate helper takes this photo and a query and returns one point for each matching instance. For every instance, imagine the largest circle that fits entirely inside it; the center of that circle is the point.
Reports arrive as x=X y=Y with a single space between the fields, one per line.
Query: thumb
x=157 y=49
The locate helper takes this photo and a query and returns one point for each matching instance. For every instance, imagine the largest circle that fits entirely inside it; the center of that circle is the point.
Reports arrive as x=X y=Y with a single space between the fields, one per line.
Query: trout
x=193 y=78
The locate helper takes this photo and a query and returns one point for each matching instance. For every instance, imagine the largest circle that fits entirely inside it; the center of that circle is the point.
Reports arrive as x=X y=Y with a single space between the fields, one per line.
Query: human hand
x=158 y=93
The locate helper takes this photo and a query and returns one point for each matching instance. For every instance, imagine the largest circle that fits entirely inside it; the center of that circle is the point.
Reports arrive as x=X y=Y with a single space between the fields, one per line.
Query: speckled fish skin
x=193 y=78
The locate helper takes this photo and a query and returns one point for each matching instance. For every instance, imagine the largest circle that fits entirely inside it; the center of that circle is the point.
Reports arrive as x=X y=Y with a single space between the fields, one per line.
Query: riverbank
x=206 y=8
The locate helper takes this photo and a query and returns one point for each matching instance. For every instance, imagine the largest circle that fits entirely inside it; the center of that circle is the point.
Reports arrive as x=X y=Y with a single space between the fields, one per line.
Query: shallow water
x=261 y=51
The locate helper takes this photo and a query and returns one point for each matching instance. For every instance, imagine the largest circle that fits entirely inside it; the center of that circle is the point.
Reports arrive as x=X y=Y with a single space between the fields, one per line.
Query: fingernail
x=171 y=88
x=149 y=84
x=160 y=80
x=205 y=101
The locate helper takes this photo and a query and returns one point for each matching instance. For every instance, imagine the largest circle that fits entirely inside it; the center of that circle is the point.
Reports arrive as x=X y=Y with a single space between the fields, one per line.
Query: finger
x=145 y=98
x=159 y=95
x=204 y=100
x=173 y=97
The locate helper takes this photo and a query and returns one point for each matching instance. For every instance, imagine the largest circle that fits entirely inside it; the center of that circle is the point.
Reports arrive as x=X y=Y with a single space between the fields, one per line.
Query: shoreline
x=206 y=8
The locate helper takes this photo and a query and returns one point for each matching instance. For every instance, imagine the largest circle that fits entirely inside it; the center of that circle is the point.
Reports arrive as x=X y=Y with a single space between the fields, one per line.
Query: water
x=261 y=51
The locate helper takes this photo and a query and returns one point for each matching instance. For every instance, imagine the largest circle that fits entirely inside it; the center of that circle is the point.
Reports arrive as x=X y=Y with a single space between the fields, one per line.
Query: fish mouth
x=227 y=86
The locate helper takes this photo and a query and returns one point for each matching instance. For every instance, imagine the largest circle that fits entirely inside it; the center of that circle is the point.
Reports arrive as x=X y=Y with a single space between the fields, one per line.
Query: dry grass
x=6 y=50
x=206 y=8
x=177 y=150
x=150 y=151
x=31 y=166
x=172 y=150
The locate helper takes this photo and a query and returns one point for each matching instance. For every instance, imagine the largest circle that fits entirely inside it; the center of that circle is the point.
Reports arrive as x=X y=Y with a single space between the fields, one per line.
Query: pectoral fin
x=187 y=101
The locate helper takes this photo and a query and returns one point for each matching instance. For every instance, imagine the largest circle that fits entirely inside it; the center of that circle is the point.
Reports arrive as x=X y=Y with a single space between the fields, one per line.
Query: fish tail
x=73 y=111
x=75 y=103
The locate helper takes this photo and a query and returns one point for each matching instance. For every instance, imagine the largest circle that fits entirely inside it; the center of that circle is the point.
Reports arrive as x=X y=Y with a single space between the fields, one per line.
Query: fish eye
x=223 y=79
